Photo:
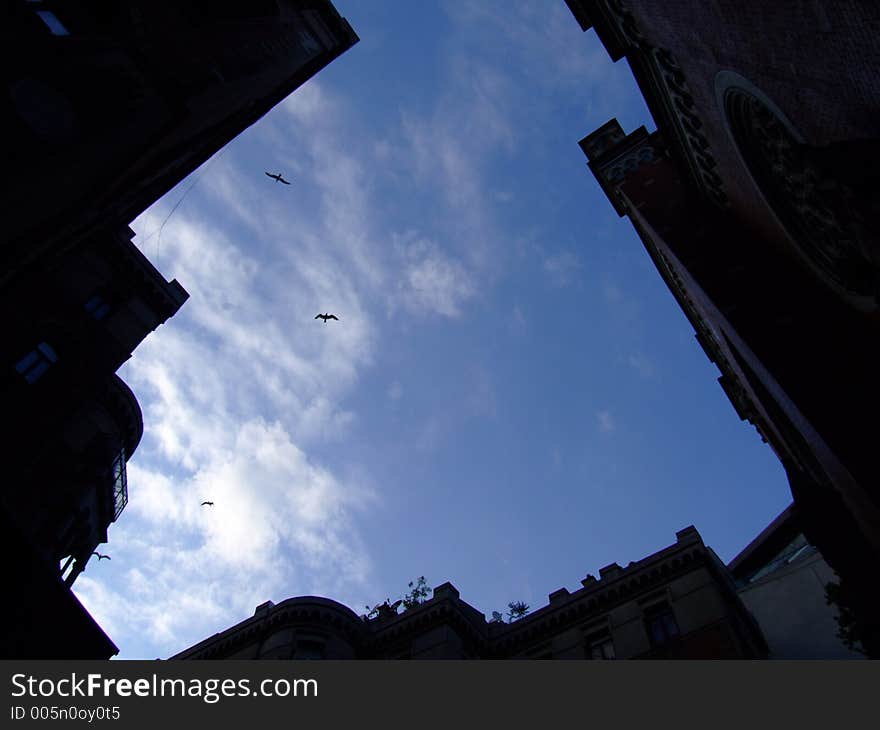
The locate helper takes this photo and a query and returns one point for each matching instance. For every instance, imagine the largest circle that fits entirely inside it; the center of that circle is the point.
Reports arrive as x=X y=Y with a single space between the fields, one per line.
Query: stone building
x=757 y=200
x=782 y=579
x=677 y=603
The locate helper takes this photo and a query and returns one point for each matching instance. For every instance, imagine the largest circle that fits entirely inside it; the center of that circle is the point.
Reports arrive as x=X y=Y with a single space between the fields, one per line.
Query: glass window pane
x=27 y=362
x=33 y=375
x=46 y=349
x=656 y=629
x=52 y=22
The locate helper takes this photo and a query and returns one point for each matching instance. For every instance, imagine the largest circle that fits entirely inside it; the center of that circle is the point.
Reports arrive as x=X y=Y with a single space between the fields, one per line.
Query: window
x=33 y=365
x=818 y=211
x=602 y=650
x=52 y=22
x=660 y=622
x=600 y=646
x=97 y=307
x=791 y=552
x=120 y=484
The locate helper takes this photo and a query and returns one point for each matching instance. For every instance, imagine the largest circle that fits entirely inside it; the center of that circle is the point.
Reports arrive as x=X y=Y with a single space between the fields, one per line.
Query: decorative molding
x=675 y=95
x=815 y=211
x=616 y=170
x=670 y=91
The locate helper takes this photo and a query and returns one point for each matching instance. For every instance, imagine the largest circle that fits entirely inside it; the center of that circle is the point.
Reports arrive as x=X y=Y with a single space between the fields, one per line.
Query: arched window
x=815 y=211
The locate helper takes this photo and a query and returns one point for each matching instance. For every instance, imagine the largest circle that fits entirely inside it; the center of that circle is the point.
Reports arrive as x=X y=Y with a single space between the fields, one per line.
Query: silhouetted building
x=107 y=107
x=110 y=105
x=757 y=200
x=677 y=603
x=69 y=426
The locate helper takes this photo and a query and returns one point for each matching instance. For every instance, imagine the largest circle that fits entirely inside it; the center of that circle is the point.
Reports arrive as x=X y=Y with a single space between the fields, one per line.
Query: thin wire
x=180 y=200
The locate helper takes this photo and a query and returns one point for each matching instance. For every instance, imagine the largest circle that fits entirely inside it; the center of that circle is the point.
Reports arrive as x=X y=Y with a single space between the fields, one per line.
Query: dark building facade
x=69 y=425
x=677 y=603
x=106 y=107
x=112 y=104
x=757 y=200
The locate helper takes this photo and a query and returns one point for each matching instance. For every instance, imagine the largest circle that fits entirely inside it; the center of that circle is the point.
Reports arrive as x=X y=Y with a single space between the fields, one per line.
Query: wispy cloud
x=235 y=390
x=562 y=268
x=641 y=364
x=605 y=421
x=517 y=321
x=432 y=281
x=243 y=389
x=621 y=304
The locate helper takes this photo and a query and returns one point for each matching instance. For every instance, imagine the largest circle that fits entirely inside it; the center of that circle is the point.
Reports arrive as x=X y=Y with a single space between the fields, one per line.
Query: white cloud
x=236 y=391
x=518 y=322
x=433 y=282
x=242 y=388
x=641 y=364
x=562 y=268
x=605 y=421
x=280 y=523
x=612 y=293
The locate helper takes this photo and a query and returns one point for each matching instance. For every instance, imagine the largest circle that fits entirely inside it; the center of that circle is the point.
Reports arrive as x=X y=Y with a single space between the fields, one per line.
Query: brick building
x=757 y=200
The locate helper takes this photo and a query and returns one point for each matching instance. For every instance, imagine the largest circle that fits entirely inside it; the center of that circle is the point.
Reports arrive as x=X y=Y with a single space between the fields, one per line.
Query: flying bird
x=210 y=504
x=277 y=177
x=101 y=557
x=325 y=317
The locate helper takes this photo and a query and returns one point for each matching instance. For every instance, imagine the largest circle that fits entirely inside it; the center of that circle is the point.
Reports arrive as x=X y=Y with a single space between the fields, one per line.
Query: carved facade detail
x=617 y=170
x=679 y=101
x=626 y=24
x=816 y=211
x=673 y=94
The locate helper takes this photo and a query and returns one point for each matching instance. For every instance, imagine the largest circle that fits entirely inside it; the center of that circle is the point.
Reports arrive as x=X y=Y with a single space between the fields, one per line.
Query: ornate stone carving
x=816 y=211
x=628 y=163
x=675 y=92
x=674 y=96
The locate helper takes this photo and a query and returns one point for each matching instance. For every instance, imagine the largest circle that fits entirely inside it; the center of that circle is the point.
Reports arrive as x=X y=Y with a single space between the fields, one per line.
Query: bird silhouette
x=277 y=177
x=325 y=317
x=210 y=504
x=101 y=557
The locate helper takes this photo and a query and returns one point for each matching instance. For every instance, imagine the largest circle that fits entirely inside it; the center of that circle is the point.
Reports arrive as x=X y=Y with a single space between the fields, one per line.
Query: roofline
x=783 y=519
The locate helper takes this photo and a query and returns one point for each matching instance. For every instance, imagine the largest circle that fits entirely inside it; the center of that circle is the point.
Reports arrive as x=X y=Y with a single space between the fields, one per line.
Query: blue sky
x=511 y=398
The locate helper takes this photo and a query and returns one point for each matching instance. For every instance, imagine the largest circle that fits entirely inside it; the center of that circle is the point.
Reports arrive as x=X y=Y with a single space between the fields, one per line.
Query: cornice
x=664 y=86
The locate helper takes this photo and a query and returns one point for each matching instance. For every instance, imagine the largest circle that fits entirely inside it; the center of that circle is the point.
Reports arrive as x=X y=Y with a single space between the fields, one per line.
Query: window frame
x=36 y=362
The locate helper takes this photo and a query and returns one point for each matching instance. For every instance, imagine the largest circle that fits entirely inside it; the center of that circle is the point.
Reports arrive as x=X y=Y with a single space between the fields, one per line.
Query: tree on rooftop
x=418 y=593
x=517 y=609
